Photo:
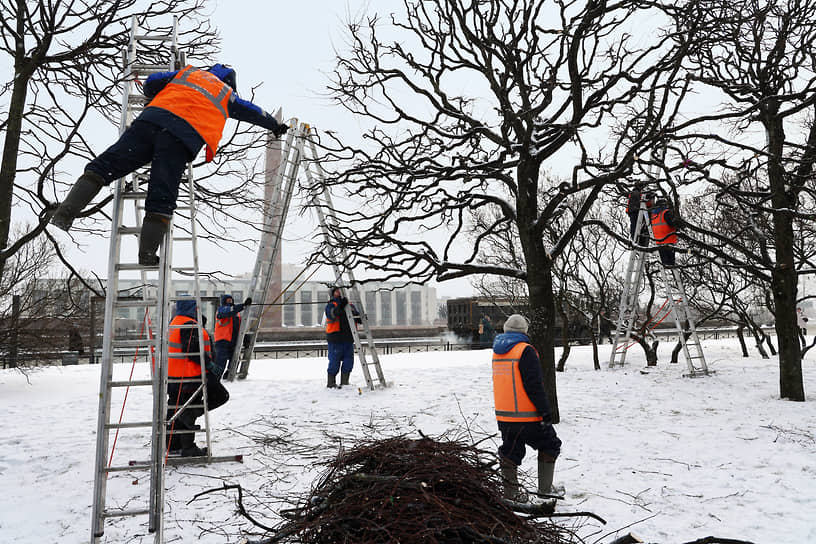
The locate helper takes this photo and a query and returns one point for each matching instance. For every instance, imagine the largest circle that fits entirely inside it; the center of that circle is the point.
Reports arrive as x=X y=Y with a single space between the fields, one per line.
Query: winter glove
x=343 y=302
x=248 y=302
x=280 y=130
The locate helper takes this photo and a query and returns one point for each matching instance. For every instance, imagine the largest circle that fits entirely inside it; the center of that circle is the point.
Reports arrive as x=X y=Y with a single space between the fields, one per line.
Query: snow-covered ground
x=669 y=458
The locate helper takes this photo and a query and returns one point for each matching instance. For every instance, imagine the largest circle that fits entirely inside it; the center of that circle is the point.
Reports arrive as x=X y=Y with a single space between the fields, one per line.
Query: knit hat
x=516 y=323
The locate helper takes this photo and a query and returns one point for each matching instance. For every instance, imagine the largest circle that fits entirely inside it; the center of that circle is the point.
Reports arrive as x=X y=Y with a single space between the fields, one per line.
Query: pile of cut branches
x=404 y=490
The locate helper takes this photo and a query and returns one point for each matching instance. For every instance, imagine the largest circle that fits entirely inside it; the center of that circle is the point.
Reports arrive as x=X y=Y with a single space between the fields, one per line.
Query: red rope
x=626 y=347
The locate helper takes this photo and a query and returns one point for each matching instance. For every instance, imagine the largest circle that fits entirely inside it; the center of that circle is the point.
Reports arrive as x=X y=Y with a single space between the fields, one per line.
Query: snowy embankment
x=677 y=459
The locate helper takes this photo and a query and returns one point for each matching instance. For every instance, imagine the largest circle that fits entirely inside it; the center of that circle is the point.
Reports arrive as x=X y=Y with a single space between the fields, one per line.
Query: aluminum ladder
x=627 y=308
x=676 y=298
x=283 y=187
x=344 y=278
x=153 y=296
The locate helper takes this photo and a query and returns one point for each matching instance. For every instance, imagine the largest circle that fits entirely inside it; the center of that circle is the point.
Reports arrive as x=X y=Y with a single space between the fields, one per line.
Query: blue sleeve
x=156 y=82
x=533 y=381
x=331 y=312
x=244 y=110
x=227 y=311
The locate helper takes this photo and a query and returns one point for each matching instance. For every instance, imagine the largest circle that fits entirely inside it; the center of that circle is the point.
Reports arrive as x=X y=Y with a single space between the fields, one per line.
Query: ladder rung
x=153 y=38
x=133 y=195
x=129 y=230
x=132 y=466
x=184 y=355
x=183 y=239
x=140 y=67
x=130 y=425
x=122 y=513
x=190 y=379
x=127 y=383
x=151 y=302
x=184 y=269
x=135 y=266
x=186 y=325
x=137 y=343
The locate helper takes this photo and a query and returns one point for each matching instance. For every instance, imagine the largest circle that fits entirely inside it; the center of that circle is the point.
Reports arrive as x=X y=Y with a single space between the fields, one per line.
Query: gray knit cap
x=516 y=323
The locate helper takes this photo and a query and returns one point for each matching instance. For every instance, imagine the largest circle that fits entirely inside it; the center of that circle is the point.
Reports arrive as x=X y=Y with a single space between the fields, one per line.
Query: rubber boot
x=546 y=470
x=509 y=475
x=344 y=378
x=83 y=191
x=332 y=383
x=154 y=227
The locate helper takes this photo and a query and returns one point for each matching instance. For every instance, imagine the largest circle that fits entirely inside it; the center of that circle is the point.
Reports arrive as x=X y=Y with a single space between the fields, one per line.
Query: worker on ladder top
x=184 y=362
x=664 y=227
x=187 y=111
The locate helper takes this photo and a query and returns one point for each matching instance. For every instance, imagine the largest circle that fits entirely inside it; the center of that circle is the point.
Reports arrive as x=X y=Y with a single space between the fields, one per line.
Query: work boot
x=194 y=451
x=332 y=383
x=509 y=475
x=83 y=191
x=546 y=470
x=344 y=378
x=154 y=227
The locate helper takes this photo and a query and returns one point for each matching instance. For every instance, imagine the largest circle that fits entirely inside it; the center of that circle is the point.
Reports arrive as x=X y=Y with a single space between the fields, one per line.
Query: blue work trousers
x=139 y=145
x=340 y=352
x=517 y=436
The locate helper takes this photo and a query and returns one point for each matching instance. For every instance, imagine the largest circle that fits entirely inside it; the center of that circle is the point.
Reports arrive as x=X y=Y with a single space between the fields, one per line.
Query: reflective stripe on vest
x=333 y=324
x=223 y=328
x=201 y=99
x=179 y=365
x=663 y=233
x=511 y=400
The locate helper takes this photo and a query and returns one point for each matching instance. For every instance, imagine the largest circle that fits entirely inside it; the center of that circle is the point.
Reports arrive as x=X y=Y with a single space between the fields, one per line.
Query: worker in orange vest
x=188 y=109
x=664 y=228
x=227 y=328
x=340 y=339
x=184 y=364
x=522 y=410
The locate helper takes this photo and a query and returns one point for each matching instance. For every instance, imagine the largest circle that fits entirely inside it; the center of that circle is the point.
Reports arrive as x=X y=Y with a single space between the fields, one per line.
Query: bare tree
x=465 y=103
x=759 y=55
x=66 y=57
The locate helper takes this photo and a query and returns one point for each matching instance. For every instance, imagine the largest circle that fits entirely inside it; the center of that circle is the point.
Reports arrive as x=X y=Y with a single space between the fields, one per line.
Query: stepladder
x=131 y=438
x=675 y=305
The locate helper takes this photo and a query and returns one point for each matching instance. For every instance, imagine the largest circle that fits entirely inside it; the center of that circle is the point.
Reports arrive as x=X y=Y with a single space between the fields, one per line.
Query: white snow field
x=670 y=458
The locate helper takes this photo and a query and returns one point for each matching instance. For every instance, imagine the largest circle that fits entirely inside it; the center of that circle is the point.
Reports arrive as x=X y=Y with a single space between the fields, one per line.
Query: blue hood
x=504 y=342
x=224 y=298
x=225 y=74
x=186 y=308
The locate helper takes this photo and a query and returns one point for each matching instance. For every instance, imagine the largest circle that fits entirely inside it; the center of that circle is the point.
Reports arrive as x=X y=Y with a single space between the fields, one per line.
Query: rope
x=626 y=347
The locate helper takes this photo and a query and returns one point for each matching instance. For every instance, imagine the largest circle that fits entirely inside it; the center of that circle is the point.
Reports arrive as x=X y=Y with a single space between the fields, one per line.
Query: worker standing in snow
x=522 y=410
x=187 y=111
x=340 y=339
x=227 y=328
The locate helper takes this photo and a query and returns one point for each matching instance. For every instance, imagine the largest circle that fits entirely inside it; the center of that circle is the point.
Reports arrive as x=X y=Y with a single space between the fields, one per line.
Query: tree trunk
x=741 y=338
x=594 y=339
x=565 y=337
x=542 y=330
x=784 y=276
x=11 y=147
x=767 y=339
x=649 y=350
x=676 y=351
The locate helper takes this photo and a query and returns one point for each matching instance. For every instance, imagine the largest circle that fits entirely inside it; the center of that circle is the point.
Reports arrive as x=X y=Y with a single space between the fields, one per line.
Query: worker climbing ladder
x=116 y=496
x=675 y=298
x=299 y=153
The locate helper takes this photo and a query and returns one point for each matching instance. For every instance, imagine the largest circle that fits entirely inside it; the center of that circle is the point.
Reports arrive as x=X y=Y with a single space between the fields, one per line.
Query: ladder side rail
x=634 y=295
x=162 y=336
x=112 y=288
x=682 y=302
x=260 y=263
x=321 y=177
x=284 y=182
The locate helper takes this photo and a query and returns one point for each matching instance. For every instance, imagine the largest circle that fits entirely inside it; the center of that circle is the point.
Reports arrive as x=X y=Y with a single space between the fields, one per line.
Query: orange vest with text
x=201 y=99
x=663 y=233
x=512 y=402
x=179 y=365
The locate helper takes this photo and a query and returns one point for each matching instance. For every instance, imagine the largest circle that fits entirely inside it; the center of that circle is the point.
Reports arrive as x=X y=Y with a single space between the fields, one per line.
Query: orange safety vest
x=201 y=99
x=333 y=324
x=512 y=402
x=223 y=328
x=663 y=233
x=179 y=365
